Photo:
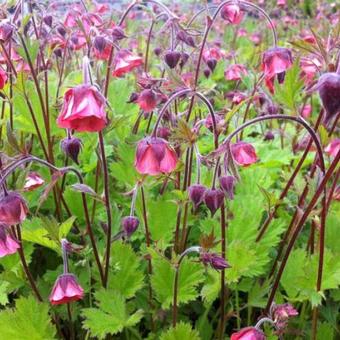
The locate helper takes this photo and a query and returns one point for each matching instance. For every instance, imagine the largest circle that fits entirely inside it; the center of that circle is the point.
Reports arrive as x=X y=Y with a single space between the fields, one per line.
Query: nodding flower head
x=71 y=147
x=147 y=100
x=329 y=92
x=235 y=72
x=213 y=199
x=172 y=58
x=333 y=147
x=33 y=181
x=125 y=62
x=130 y=225
x=6 y=31
x=215 y=261
x=3 y=78
x=227 y=184
x=13 y=208
x=248 y=333
x=196 y=194
x=281 y=314
x=155 y=156
x=232 y=14
x=275 y=62
x=66 y=289
x=8 y=245
x=243 y=153
x=83 y=109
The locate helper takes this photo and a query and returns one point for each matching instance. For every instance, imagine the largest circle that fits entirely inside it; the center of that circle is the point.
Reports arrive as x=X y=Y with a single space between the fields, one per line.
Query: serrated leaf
x=162 y=280
x=29 y=320
x=126 y=277
x=182 y=331
x=4 y=292
x=111 y=316
x=66 y=226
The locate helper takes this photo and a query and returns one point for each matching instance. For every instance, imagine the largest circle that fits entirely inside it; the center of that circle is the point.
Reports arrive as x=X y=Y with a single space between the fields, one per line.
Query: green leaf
x=111 y=316
x=65 y=227
x=4 y=293
x=182 y=331
x=162 y=280
x=28 y=321
x=127 y=277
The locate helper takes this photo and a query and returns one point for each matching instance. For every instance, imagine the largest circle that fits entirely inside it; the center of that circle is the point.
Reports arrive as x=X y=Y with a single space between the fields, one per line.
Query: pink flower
x=309 y=68
x=154 y=156
x=33 y=181
x=147 y=100
x=248 y=333
x=125 y=62
x=281 y=314
x=8 y=245
x=232 y=13
x=66 y=289
x=333 y=147
x=235 y=72
x=306 y=111
x=83 y=109
x=3 y=78
x=102 y=54
x=243 y=153
x=281 y=3
x=276 y=61
x=213 y=53
x=71 y=18
x=13 y=209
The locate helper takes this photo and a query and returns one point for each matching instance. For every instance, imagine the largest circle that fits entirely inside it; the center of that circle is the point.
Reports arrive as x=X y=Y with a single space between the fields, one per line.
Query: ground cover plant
x=169 y=170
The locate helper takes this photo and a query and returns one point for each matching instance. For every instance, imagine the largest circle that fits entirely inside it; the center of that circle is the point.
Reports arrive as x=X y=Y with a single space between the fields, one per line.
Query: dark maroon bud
x=58 y=52
x=207 y=73
x=74 y=39
x=190 y=41
x=211 y=63
x=186 y=38
x=196 y=194
x=329 y=92
x=27 y=27
x=6 y=31
x=213 y=199
x=130 y=225
x=269 y=136
x=227 y=184
x=118 y=33
x=157 y=51
x=281 y=77
x=184 y=58
x=11 y=9
x=99 y=43
x=61 y=30
x=171 y=58
x=48 y=20
x=215 y=261
x=13 y=208
x=164 y=132
x=71 y=147
x=272 y=109
x=133 y=98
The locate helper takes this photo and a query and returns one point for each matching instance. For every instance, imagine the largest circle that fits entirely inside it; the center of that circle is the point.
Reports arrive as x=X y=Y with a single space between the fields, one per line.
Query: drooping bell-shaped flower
x=8 y=245
x=130 y=225
x=71 y=147
x=213 y=199
x=281 y=314
x=66 y=289
x=227 y=184
x=196 y=194
x=248 y=333
x=155 y=156
x=333 y=147
x=6 y=30
x=172 y=58
x=147 y=100
x=83 y=109
x=125 y=62
x=3 y=78
x=235 y=72
x=33 y=181
x=13 y=208
x=275 y=62
x=243 y=153
x=232 y=13
x=329 y=92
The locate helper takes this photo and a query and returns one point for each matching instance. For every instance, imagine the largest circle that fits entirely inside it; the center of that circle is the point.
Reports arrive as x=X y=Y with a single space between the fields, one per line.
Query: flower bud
x=213 y=199
x=269 y=136
x=227 y=184
x=133 y=98
x=184 y=58
x=196 y=194
x=71 y=147
x=171 y=58
x=61 y=30
x=211 y=63
x=99 y=43
x=48 y=20
x=164 y=132
x=118 y=33
x=6 y=31
x=130 y=225
x=329 y=91
x=207 y=73
x=157 y=51
x=13 y=208
x=186 y=38
x=58 y=52
x=217 y=262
